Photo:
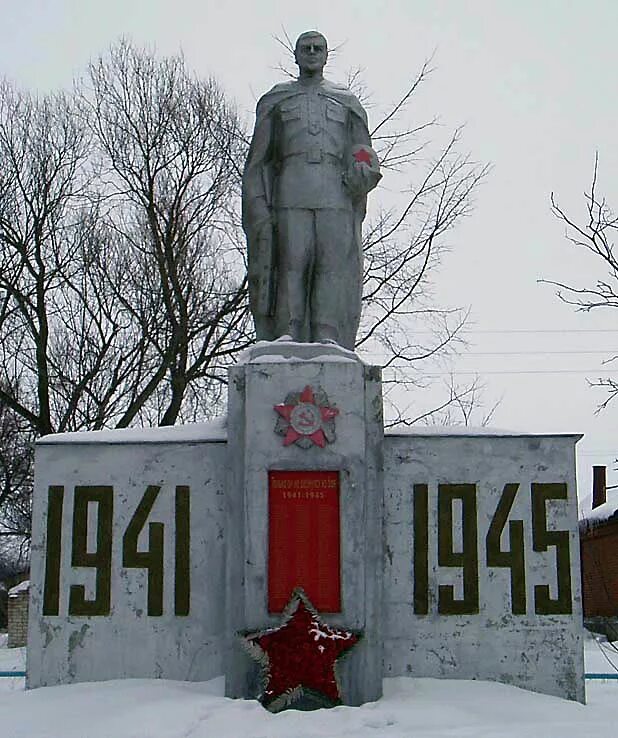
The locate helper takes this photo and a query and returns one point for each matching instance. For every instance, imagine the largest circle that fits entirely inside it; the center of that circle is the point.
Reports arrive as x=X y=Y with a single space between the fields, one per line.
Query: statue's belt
x=315 y=156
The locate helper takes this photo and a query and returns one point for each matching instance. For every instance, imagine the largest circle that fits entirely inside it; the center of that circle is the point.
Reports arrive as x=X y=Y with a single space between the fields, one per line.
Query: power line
x=532 y=352
x=527 y=353
x=501 y=371
x=469 y=331
x=611 y=452
x=537 y=353
x=540 y=330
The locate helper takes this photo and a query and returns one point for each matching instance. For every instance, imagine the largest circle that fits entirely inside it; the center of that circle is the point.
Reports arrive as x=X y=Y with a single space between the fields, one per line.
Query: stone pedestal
x=356 y=454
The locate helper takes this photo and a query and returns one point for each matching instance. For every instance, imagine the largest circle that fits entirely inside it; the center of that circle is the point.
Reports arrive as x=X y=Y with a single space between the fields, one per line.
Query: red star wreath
x=299 y=658
x=306 y=418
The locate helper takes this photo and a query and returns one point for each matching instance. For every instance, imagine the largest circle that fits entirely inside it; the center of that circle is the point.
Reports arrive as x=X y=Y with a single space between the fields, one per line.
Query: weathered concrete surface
x=254 y=449
x=128 y=642
x=540 y=652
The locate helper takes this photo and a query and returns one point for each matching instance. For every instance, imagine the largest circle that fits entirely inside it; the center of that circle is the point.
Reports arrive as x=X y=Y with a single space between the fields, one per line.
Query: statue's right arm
x=257 y=198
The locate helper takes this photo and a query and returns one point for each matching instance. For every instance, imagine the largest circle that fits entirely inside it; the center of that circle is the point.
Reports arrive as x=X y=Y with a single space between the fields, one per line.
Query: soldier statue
x=309 y=169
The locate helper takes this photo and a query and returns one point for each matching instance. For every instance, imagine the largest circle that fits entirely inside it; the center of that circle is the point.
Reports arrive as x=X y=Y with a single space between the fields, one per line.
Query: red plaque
x=303 y=538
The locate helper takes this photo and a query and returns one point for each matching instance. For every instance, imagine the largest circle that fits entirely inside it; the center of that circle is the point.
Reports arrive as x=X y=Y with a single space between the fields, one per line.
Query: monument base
x=156 y=550
x=305 y=502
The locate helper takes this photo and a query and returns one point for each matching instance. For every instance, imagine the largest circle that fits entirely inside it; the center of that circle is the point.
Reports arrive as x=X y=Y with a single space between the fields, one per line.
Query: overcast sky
x=533 y=82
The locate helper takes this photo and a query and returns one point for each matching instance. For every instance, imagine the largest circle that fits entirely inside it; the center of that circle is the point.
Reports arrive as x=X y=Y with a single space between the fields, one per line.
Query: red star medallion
x=307 y=417
x=362 y=156
x=299 y=657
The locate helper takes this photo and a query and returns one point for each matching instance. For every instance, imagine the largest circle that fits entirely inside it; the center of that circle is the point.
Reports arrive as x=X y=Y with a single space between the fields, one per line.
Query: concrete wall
x=539 y=647
x=536 y=648
x=122 y=639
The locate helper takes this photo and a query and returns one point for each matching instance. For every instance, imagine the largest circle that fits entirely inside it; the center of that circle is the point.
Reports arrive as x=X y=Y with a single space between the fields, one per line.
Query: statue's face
x=311 y=53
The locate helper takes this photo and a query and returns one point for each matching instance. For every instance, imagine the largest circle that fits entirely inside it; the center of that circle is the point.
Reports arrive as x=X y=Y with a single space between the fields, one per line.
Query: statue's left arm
x=363 y=172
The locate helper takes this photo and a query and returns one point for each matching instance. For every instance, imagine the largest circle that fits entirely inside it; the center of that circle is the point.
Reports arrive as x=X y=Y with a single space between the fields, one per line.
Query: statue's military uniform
x=314 y=215
x=312 y=145
x=296 y=166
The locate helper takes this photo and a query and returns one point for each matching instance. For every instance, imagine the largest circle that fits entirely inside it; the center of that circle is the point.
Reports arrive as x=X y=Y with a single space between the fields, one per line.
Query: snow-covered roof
x=214 y=430
x=602 y=513
x=468 y=430
x=19 y=588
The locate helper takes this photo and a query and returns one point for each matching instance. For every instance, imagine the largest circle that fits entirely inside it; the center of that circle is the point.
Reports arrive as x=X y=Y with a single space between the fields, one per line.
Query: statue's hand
x=363 y=172
x=264 y=226
x=260 y=215
x=360 y=179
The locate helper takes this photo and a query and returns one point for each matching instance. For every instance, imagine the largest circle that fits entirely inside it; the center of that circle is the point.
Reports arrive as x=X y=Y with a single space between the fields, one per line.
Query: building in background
x=599 y=558
x=18 y=615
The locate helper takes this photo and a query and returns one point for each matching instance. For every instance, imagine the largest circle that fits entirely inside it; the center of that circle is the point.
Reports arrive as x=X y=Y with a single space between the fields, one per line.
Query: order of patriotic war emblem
x=306 y=418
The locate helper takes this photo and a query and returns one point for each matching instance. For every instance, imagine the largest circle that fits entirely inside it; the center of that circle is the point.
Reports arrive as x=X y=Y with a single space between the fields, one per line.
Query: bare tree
x=122 y=296
x=61 y=335
x=403 y=246
x=16 y=453
x=593 y=232
x=170 y=149
x=404 y=242
x=42 y=149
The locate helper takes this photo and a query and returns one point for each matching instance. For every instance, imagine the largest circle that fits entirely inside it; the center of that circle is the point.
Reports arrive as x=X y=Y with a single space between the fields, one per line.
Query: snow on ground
x=423 y=708
x=11 y=659
x=601 y=657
